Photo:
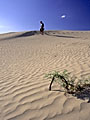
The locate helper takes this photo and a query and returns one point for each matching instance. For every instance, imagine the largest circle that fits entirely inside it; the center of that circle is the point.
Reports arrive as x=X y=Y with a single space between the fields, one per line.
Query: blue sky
x=21 y=15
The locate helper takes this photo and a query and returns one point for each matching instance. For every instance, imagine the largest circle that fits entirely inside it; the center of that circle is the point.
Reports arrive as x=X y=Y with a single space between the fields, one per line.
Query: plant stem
x=64 y=80
x=51 y=83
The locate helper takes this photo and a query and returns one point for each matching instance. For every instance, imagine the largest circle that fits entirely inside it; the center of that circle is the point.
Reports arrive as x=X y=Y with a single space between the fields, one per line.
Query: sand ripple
x=25 y=58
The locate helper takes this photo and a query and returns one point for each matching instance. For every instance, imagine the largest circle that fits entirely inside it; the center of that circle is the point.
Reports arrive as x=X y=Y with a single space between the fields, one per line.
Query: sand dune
x=25 y=58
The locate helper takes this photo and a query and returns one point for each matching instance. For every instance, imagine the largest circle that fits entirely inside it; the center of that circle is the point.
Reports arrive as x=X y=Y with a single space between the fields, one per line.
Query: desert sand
x=25 y=58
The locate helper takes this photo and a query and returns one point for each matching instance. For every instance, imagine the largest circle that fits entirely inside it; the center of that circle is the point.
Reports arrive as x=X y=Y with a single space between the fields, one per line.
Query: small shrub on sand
x=68 y=82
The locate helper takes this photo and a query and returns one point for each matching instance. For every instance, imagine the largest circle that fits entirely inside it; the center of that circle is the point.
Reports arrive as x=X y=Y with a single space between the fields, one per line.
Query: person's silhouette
x=42 y=28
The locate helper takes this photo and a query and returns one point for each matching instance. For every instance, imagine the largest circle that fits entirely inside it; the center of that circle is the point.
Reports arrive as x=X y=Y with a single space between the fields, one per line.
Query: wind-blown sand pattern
x=25 y=58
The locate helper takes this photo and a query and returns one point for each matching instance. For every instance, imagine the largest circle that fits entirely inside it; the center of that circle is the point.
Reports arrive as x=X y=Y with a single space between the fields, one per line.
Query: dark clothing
x=42 y=27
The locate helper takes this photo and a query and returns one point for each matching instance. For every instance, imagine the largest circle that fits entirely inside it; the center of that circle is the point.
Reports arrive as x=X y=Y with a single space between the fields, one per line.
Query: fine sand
x=25 y=58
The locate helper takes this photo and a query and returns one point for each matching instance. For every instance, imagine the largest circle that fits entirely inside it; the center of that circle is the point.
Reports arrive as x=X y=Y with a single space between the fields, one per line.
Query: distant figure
x=42 y=28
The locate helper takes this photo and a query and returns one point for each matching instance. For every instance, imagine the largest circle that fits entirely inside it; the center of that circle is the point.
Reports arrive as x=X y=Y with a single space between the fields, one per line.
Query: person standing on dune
x=42 y=28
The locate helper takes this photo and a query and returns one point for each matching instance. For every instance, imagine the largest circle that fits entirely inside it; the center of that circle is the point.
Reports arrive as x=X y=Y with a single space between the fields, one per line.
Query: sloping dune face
x=25 y=58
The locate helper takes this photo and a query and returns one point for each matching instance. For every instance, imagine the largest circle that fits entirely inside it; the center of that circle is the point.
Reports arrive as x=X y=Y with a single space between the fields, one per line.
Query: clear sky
x=24 y=15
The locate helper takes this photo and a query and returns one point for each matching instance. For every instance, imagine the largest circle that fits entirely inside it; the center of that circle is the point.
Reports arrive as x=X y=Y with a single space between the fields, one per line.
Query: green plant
x=67 y=81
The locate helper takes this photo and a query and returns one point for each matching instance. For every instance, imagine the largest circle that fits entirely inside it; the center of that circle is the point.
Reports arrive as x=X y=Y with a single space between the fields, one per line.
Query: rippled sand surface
x=25 y=58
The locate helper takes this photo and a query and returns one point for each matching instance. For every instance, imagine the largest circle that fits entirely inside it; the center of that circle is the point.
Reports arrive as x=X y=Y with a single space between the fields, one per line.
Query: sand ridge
x=25 y=58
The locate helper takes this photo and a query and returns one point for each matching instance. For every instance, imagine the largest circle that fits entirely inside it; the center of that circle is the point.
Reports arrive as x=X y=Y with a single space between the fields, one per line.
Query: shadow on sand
x=64 y=36
x=84 y=94
x=26 y=34
x=31 y=33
